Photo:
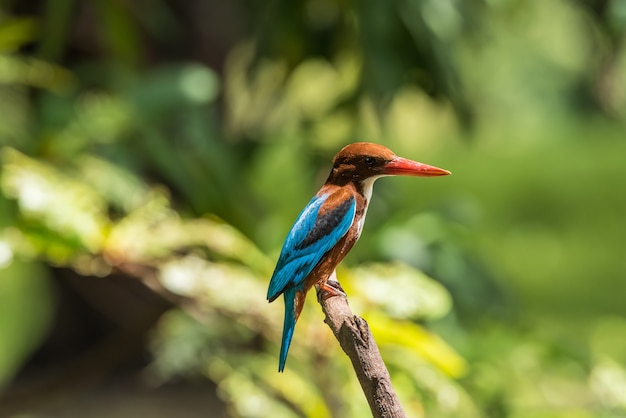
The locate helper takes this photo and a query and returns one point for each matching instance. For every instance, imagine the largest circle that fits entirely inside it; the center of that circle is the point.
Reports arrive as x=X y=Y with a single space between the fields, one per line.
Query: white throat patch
x=368 y=187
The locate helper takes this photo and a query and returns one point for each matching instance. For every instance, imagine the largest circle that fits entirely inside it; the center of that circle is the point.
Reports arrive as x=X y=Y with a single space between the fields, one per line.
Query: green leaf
x=26 y=307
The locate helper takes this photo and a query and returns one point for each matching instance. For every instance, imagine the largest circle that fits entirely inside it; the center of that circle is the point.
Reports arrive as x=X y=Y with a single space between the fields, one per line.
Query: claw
x=329 y=289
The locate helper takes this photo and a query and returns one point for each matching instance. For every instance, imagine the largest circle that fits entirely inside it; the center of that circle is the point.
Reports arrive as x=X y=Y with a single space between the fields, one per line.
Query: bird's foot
x=329 y=289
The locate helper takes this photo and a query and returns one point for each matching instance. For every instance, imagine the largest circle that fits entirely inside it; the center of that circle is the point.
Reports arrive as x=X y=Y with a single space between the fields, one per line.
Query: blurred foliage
x=175 y=143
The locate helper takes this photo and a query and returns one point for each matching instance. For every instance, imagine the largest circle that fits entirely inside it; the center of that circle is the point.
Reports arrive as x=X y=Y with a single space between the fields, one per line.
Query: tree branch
x=357 y=342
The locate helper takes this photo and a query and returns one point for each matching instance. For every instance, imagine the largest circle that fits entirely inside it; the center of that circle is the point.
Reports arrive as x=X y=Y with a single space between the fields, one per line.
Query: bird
x=330 y=224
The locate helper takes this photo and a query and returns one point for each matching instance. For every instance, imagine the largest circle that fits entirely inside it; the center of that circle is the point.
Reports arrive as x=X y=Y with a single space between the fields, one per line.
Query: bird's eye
x=370 y=161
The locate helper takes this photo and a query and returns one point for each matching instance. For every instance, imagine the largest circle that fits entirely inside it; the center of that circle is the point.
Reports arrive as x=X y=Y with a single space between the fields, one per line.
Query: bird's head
x=364 y=161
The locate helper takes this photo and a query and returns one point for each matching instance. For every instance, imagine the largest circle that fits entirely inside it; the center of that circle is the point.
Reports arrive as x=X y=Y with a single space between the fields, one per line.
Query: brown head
x=361 y=161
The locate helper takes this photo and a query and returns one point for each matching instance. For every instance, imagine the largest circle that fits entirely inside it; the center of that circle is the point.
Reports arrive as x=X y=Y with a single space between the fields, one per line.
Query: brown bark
x=357 y=342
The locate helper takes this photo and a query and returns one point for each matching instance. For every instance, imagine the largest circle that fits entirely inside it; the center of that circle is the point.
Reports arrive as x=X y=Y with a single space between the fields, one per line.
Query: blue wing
x=314 y=233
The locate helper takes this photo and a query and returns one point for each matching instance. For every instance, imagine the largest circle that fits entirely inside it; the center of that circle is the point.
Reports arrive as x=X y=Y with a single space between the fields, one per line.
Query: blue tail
x=288 y=326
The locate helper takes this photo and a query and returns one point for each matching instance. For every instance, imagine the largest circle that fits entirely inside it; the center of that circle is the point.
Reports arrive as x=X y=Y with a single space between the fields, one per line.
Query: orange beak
x=402 y=167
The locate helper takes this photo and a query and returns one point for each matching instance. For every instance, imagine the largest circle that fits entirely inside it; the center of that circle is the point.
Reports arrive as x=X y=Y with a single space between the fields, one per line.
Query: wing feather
x=320 y=225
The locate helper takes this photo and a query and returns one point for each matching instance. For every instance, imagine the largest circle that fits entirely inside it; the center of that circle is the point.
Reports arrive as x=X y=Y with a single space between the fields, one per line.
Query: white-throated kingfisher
x=330 y=225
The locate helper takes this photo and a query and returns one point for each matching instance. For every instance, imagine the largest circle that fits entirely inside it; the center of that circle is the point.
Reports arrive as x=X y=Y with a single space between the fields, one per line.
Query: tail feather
x=294 y=301
x=288 y=326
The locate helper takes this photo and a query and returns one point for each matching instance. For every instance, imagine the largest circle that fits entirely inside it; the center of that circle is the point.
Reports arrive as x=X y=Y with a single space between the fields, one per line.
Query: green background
x=153 y=155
